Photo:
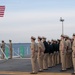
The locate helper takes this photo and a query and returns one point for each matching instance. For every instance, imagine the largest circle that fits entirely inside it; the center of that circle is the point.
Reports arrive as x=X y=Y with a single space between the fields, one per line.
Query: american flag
x=2 y=9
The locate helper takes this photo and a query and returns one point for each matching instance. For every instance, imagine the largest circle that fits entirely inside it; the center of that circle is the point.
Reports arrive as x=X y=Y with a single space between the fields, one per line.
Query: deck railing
x=20 y=52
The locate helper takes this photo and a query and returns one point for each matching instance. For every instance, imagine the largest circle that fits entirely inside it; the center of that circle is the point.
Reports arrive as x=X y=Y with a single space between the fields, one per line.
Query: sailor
x=50 y=54
x=34 y=51
x=68 y=53
x=73 y=53
x=63 y=53
x=3 y=48
x=46 y=53
x=55 y=52
x=53 y=59
x=57 y=49
x=41 y=50
x=10 y=48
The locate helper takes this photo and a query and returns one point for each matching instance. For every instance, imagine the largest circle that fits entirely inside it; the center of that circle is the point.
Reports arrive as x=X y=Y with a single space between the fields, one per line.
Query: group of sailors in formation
x=47 y=54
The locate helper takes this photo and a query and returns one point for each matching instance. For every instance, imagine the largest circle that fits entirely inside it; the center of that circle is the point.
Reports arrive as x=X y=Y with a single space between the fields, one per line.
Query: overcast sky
x=26 y=18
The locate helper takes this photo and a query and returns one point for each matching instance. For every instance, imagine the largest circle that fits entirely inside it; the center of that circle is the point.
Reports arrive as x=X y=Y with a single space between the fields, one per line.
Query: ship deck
x=23 y=67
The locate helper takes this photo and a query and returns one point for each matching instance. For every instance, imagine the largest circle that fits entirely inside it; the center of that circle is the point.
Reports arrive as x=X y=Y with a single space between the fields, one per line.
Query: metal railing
x=3 y=53
x=13 y=51
x=14 y=54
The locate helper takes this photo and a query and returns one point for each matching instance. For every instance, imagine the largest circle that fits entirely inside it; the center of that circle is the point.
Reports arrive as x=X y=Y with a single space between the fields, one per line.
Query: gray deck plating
x=24 y=65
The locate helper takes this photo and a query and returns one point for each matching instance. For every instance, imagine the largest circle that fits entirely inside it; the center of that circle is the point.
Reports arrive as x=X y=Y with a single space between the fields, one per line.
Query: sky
x=26 y=18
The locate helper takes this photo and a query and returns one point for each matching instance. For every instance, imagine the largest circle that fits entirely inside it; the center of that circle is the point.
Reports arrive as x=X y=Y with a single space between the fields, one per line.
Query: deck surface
x=27 y=73
x=23 y=67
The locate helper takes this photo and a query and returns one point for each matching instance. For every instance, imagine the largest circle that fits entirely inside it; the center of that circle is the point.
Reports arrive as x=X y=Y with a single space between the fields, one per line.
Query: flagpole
x=62 y=20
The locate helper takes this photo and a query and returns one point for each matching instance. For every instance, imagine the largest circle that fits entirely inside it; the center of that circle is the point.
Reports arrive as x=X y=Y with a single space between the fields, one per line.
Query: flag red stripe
x=1 y=16
x=3 y=7
x=1 y=11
